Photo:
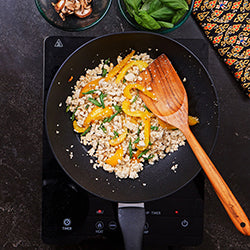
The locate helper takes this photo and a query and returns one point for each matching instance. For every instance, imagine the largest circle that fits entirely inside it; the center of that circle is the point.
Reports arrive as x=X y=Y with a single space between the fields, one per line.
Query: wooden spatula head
x=161 y=77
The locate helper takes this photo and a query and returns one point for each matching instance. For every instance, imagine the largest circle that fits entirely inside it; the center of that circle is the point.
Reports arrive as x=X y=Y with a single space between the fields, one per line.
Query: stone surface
x=22 y=33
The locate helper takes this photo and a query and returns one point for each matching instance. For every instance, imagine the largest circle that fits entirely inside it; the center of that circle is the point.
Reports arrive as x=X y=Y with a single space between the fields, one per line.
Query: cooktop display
x=71 y=215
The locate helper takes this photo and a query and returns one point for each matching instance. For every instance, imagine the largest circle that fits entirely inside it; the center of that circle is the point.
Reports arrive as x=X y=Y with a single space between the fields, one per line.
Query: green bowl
x=132 y=21
x=72 y=22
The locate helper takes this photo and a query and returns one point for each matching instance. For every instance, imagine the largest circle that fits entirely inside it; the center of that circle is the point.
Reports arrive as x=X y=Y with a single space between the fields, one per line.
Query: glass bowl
x=132 y=21
x=72 y=22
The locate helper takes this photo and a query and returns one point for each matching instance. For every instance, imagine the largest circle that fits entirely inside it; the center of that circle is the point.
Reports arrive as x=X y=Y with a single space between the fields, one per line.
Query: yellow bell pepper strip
x=113 y=72
x=91 y=85
x=98 y=113
x=141 y=65
x=138 y=86
x=133 y=120
x=77 y=128
x=114 y=160
x=147 y=127
x=119 y=140
x=191 y=121
x=126 y=109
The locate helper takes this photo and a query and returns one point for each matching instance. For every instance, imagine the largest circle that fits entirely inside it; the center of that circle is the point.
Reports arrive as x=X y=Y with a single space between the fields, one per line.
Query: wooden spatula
x=171 y=106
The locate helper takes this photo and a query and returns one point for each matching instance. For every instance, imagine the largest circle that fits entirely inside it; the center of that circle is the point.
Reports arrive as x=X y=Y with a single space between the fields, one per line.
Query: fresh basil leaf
x=154 y=6
x=176 y=4
x=148 y=22
x=137 y=18
x=146 y=5
x=178 y=15
x=130 y=10
x=134 y=4
x=166 y=24
x=163 y=14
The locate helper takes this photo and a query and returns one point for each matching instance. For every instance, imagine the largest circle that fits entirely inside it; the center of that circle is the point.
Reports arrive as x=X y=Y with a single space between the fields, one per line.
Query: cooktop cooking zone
x=71 y=215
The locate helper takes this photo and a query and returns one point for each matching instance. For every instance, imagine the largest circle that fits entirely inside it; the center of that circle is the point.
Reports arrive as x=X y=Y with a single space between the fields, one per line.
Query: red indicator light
x=99 y=211
x=176 y=211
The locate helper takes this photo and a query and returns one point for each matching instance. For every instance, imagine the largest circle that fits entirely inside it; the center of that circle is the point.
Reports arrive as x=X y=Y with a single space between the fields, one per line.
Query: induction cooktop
x=71 y=215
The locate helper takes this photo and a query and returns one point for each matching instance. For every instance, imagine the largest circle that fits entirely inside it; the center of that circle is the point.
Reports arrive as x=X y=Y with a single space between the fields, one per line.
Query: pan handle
x=132 y=219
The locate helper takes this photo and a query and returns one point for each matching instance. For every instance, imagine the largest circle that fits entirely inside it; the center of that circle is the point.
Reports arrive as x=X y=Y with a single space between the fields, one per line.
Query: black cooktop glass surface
x=70 y=215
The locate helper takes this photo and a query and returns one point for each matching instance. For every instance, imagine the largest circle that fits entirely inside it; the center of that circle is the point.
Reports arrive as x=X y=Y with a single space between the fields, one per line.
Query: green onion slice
x=87 y=130
x=137 y=140
x=115 y=134
x=130 y=149
x=101 y=100
x=94 y=101
x=90 y=91
x=143 y=153
x=73 y=115
x=135 y=98
x=147 y=108
x=149 y=157
x=154 y=128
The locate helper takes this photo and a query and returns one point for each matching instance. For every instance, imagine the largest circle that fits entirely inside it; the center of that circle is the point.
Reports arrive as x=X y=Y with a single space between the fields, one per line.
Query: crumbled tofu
x=163 y=141
x=174 y=167
x=130 y=77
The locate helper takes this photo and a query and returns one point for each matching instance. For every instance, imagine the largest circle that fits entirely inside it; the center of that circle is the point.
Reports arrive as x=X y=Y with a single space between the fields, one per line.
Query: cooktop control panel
x=71 y=215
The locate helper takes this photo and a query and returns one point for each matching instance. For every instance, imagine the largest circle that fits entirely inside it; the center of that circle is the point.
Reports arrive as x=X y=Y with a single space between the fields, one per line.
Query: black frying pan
x=155 y=181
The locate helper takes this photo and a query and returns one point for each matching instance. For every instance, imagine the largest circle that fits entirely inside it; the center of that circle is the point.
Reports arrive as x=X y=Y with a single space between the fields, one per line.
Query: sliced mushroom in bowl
x=80 y=8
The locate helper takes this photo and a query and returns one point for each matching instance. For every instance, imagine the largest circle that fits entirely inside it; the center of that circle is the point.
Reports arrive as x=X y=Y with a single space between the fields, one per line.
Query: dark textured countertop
x=22 y=31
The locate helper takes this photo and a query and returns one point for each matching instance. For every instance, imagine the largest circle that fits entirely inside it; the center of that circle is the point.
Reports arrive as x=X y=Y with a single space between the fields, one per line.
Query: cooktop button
x=67 y=222
x=112 y=225
x=99 y=225
x=184 y=223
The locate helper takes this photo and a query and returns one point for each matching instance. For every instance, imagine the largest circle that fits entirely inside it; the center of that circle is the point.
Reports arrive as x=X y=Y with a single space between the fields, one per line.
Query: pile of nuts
x=80 y=8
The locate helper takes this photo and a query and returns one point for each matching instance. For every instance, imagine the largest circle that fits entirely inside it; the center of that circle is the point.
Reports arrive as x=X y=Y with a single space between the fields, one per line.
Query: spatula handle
x=225 y=195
